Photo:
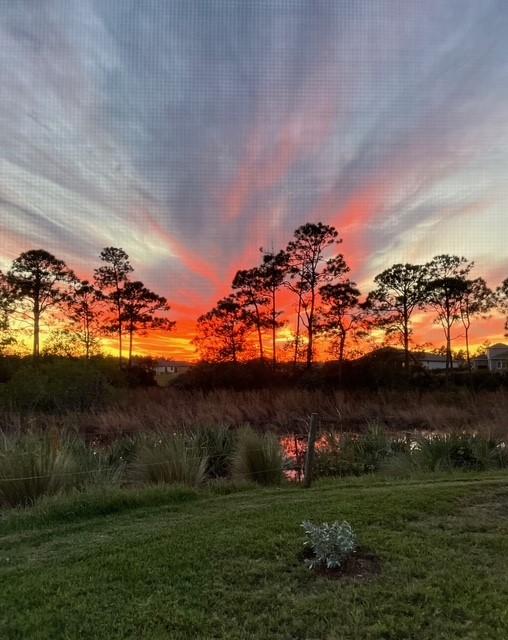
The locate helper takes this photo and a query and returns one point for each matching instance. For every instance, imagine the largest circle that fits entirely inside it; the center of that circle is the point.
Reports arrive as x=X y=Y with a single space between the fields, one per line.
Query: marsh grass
x=447 y=452
x=443 y=452
x=98 y=465
x=33 y=465
x=168 y=458
x=46 y=455
x=217 y=443
x=257 y=458
x=280 y=410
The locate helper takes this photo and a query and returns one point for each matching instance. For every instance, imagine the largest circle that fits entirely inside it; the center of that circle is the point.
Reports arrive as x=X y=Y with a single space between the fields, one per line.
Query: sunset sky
x=192 y=132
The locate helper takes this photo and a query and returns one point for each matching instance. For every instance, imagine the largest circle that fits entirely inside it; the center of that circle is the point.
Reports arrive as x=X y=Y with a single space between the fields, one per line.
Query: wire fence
x=127 y=465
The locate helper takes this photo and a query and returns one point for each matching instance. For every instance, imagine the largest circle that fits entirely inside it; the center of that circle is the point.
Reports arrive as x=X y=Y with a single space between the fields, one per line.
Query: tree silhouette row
x=39 y=285
x=310 y=278
x=327 y=303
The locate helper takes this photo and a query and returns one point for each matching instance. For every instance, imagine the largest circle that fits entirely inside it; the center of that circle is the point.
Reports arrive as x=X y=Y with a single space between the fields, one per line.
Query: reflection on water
x=352 y=448
x=295 y=449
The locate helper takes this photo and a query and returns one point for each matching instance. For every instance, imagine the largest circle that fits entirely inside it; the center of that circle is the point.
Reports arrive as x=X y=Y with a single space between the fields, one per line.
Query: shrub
x=169 y=458
x=344 y=455
x=458 y=451
x=57 y=386
x=257 y=457
x=330 y=544
x=33 y=465
x=369 y=449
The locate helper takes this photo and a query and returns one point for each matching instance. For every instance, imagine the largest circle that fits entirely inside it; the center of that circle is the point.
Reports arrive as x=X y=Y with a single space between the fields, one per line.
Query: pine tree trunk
x=36 y=346
x=310 y=331
x=468 y=358
x=406 y=348
x=260 y=337
x=297 y=337
x=274 y=318
x=131 y=331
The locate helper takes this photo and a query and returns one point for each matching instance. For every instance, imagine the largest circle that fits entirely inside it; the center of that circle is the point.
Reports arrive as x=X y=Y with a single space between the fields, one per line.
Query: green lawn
x=178 y=564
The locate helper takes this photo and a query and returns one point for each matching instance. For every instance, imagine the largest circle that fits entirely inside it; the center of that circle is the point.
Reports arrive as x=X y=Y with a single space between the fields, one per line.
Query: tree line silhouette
x=327 y=304
x=38 y=285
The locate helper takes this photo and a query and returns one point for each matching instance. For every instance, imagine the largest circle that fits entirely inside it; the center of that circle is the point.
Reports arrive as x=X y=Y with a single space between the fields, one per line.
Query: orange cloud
x=194 y=263
x=351 y=218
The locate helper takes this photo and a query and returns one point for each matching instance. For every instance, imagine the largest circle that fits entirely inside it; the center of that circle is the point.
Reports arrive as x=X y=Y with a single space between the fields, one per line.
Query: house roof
x=433 y=357
x=172 y=363
x=498 y=345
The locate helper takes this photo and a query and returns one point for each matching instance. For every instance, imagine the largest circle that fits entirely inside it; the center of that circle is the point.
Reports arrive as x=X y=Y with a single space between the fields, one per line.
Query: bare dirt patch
x=362 y=564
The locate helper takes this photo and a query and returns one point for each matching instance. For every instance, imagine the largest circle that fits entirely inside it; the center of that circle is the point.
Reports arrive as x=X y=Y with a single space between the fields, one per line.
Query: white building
x=433 y=361
x=497 y=356
x=165 y=370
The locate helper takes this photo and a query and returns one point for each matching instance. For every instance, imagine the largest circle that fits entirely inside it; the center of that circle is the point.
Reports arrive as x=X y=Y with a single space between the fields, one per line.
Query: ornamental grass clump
x=330 y=544
x=257 y=457
x=34 y=465
x=217 y=443
x=445 y=452
x=168 y=458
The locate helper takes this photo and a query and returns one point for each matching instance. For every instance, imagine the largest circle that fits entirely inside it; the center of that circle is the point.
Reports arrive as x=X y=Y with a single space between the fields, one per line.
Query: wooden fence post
x=309 y=456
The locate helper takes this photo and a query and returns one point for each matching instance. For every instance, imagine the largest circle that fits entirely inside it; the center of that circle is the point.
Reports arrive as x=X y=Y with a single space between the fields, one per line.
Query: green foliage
x=169 y=458
x=33 y=465
x=97 y=466
x=376 y=450
x=458 y=451
x=347 y=454
x=56 y=386
x=330 y=544
x=257 y=457
x=122 y=451
x=36 y=464
x=217 y=444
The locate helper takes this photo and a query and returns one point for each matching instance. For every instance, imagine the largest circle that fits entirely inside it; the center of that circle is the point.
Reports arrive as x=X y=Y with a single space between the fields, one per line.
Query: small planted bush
x=257 y=457
x=330 y=544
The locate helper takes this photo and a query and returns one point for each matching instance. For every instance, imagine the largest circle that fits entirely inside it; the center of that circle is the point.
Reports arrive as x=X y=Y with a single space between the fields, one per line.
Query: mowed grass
x=183 y=564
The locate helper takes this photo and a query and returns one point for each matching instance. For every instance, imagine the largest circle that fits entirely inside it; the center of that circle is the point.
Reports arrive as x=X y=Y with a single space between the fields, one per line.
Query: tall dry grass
x=283 y=411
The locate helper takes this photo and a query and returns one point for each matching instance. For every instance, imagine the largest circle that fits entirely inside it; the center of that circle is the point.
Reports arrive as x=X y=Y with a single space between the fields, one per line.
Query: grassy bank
x=37 y=464
x=181 y=563
x=281 y=410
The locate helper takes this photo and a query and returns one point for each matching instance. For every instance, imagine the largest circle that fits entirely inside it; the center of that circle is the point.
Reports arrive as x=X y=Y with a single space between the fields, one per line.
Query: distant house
x=394 y=358
x=480 y=363
x=166 y=370
x=495 y=358
x=432 y=361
